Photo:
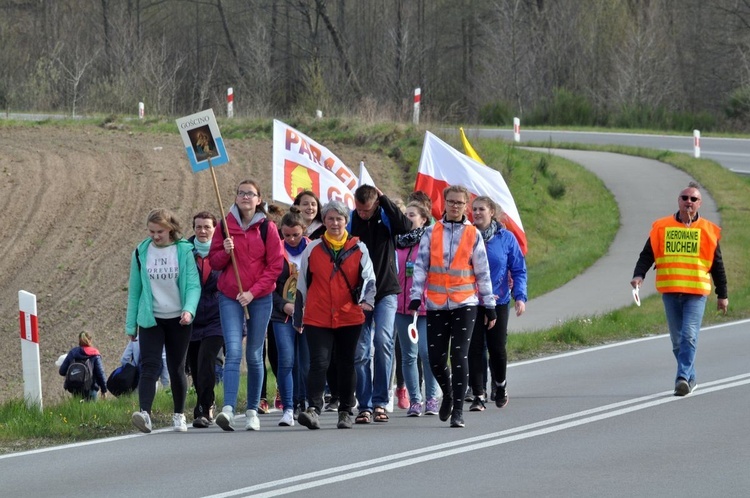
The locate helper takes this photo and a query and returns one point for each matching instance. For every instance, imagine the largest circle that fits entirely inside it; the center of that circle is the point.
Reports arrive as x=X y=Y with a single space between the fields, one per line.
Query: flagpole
x=226 y=232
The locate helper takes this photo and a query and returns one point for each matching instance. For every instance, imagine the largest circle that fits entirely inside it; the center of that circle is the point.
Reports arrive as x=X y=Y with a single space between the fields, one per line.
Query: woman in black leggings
x=451 y=265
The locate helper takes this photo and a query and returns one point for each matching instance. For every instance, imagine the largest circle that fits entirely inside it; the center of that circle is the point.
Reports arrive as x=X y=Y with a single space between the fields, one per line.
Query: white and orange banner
x=300 y=163
x=441 y=166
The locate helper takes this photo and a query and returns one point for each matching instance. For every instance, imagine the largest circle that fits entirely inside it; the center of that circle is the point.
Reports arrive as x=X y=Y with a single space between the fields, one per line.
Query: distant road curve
x=732 y=153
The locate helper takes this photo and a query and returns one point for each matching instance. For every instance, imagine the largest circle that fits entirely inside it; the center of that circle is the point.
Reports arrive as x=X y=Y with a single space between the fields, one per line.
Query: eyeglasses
x=455 y=203
x=692 y=199
x=249 y=195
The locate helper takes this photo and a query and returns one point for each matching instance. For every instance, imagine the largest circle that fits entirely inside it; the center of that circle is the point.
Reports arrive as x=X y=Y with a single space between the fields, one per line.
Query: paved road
x=732 y=153
x=597 y=422
x=644 y=190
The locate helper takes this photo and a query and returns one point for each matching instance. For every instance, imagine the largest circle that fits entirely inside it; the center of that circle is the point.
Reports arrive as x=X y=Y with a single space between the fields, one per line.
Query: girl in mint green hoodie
x=163 y=293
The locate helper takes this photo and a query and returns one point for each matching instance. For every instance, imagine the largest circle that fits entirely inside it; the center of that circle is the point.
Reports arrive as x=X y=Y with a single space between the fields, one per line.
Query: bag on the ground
x=123 y=380
x=79 y=379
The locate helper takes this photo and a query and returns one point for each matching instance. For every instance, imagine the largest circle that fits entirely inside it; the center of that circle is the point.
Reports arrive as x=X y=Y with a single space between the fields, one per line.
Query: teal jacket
x=141 y=300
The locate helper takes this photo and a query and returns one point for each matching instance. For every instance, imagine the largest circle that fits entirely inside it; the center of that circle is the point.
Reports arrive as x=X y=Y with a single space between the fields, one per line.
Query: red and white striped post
x=32 y=374
x=141 y=110
x=417 y=100
x=516 y=129
x=230 y=102
x=696 y=143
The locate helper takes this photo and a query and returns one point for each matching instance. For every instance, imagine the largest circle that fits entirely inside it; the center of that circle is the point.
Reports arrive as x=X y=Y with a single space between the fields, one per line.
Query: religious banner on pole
x=202 y=139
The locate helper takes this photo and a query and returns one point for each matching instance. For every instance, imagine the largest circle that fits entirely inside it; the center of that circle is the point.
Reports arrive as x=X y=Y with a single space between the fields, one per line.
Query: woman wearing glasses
x=257 y=249
x=450 y=268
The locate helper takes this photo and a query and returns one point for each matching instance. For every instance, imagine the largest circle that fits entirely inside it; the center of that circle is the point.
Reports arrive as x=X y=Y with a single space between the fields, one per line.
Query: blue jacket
x=140 y=299
x=207 y=321
x=504 y=255
x=82 y=353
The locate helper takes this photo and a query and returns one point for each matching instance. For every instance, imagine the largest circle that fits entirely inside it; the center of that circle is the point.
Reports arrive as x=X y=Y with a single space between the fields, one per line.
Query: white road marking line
x=421 y=455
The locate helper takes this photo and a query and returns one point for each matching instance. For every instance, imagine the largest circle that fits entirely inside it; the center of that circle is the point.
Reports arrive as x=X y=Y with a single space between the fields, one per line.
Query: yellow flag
x=469 y=149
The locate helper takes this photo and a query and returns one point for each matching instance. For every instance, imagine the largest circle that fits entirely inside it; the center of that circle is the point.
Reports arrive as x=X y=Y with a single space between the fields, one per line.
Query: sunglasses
x=692 y=199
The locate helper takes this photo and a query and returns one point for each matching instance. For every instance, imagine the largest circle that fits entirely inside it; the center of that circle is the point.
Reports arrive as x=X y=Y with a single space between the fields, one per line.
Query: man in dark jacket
x=377 y=221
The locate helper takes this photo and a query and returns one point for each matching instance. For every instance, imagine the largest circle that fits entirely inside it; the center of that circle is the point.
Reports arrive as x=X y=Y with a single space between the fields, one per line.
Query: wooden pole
x=226 y=233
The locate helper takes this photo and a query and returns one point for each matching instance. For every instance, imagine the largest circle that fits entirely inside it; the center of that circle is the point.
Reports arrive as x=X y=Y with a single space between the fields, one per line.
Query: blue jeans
x=684 y=316
x=301 y=369
x=409 y=354
x=232 y=321
x=375 y=348
x=286 y=337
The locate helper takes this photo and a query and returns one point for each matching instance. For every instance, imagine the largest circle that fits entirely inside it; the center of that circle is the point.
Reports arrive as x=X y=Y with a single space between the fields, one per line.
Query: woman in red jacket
x=336 y=285
x=257 y=248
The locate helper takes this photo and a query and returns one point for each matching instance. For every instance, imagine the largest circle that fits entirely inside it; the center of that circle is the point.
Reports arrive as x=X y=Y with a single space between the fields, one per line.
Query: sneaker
x=501 y=399
x=263 y=407
x=415 y=410
x=469 y=395
x=681 y=388
x=200 y=423
x=225 y=418
x=345 y=421
x=252 y=422
x=693 y=385
x=309 y=418
x=457 y=418
x=178 y=422
x=477 y=405
x=332 y=406
x=493 y=392
x=277 y=402
x=402 y=395
x=142 y=421
x=389 y=406
x=431 y=407
x=445 y=408
x=297 y=411
x=287 y=419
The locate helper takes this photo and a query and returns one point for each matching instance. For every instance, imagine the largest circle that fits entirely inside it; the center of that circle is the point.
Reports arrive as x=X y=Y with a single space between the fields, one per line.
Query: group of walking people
x=337 y=286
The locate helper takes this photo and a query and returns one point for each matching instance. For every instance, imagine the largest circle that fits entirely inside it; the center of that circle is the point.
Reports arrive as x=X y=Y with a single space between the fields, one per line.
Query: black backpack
x=79 y=378
x=123 y=380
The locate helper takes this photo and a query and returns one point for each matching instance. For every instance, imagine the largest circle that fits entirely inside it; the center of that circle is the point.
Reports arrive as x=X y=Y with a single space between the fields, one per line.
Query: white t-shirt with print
x=163 y=270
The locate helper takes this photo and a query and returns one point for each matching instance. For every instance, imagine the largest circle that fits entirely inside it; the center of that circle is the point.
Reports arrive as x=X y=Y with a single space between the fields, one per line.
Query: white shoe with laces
x=142 y=421
x=252 y=422
x=287 y=419
x=225 y=418
x=178 y=421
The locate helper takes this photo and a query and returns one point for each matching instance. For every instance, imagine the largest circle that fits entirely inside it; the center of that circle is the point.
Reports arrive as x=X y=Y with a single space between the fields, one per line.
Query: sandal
x=380 y=414
x=363 y=418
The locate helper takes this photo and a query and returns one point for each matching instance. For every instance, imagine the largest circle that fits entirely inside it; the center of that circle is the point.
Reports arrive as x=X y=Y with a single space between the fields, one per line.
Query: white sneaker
x=142 y=421
x=178 y=421
x=225 y=418
x=287 y=419
x=252 y=422
x=389 y=406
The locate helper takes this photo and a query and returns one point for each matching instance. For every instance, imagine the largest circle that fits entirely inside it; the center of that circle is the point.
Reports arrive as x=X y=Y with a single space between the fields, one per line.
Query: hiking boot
x=225 y=418
x=287 y=419
x=263 y=407
x=201 y=423
x=681 y=387
x=457 y=418
x=477 y=405
x=415 y=410
x=431 y=407
x=402 y=395
x=252 y=422
x=309 y=418
x=445 y=408
x=142 y=421
x=345 y=420
x=178 y=422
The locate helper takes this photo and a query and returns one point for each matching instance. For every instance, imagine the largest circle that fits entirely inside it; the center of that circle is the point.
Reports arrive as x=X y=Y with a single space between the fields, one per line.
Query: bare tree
x=74 y=65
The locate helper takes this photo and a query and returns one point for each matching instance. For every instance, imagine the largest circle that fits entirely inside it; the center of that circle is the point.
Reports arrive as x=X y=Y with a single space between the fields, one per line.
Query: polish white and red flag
x=442 y=166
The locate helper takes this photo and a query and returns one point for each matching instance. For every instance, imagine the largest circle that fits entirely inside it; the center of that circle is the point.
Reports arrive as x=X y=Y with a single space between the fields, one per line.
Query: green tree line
x=675 y=64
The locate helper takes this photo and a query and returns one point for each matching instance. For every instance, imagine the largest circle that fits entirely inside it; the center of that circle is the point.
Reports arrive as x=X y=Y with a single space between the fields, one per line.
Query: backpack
x=123 y=380
x=79 y=379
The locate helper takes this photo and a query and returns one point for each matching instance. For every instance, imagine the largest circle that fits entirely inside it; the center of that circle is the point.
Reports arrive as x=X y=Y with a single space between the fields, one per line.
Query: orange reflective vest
x=684 y=255
x=456 y=282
